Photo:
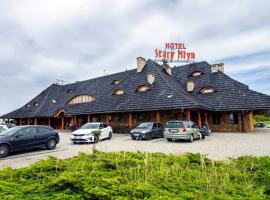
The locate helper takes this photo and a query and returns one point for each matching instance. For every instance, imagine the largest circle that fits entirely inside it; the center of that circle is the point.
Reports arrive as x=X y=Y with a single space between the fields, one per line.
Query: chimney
x=217 y=67
x=140 y=63
x=167 y=69
x=150 y=78
x=190 y=86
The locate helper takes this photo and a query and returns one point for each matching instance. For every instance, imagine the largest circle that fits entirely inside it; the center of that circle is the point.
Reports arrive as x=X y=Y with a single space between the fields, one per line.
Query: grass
x=125 y=175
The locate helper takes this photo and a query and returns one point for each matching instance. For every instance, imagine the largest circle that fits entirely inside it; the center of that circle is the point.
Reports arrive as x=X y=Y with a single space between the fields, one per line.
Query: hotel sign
x=175 y=52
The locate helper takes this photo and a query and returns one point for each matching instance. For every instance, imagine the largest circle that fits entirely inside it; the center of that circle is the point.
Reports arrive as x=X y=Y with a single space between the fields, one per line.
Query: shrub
x=126 y=175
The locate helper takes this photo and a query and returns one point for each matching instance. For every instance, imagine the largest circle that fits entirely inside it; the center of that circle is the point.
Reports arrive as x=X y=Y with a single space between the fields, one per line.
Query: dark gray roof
x=167 y=92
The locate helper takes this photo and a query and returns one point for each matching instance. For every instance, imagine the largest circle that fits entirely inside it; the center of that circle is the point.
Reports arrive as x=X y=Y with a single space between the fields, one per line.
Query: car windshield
x=90 y=126
x=174 y=125
x=10 y=131
x=145 y=125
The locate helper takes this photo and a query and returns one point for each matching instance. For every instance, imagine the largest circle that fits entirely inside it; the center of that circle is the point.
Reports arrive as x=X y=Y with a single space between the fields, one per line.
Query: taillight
x=184 y=128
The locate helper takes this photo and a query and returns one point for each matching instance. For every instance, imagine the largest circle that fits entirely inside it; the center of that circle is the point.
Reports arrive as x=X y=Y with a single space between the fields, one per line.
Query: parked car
x=259 y=125
x=21 y=138
x=187 y=130
x=3 y=128
x=10 y=125
x=147 y=130
x=84 y=134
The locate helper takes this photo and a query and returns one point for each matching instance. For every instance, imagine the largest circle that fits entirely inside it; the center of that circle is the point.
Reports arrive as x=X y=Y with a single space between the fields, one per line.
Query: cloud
x=42 y=41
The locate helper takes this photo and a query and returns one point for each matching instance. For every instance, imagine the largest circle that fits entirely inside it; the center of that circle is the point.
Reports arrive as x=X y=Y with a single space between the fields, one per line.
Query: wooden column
x=88 y=118
x=130 y=119
x=49 y=121
x=35 y=121
x=75 y=120
x=20 y=123
x=63 y=123
x=179 y=115
x=158 y=116
x=28 y=121
x=243 y=121
x=199 y=119
x=188 y=115
x=107 y=118
x=206 y=119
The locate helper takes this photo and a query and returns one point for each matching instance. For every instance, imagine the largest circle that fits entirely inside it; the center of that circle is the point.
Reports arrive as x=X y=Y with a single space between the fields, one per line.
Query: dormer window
x=35 y=104
x=196 y=73
x=115 y=82
x=54 y=101
x=207 y=90
x=69 y=91
x=27 y=105
x=81 y=99
x=118 y=92
x=142 y=88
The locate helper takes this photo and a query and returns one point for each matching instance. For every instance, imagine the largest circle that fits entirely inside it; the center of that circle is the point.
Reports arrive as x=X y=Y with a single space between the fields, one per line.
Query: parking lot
x=218 y=146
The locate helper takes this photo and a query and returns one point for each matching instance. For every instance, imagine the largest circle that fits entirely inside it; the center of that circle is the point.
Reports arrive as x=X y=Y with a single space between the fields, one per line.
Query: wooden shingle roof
x=167 y=92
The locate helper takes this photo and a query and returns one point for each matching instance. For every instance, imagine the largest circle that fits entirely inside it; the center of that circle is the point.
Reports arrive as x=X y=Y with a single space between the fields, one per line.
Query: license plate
x=173 y=130
x=78 y=137
x=136 y=134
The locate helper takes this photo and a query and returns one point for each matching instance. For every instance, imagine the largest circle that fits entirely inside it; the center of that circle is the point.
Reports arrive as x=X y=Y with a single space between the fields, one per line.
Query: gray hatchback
x=187 y=130
x=147 y=130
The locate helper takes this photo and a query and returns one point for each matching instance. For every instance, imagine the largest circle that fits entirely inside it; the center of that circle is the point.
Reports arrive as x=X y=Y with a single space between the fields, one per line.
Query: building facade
x=152 y=92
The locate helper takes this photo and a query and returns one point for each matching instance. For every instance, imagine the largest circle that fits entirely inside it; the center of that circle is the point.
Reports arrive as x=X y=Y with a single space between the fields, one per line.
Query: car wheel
x=51 y=144
x=149 y=136
x=4 y=150
x=169 y=139
x=203 y=137
x=110 y=136
x=191 y=138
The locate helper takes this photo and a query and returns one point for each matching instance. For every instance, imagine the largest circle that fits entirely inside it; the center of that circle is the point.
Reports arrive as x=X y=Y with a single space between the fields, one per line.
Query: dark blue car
x=27 y=137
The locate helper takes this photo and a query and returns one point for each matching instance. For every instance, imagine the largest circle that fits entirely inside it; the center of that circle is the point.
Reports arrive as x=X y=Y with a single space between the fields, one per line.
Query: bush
x=125 y=175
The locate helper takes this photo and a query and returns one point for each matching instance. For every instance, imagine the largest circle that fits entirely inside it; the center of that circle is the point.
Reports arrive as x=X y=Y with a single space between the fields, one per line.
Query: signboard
x=175 y=53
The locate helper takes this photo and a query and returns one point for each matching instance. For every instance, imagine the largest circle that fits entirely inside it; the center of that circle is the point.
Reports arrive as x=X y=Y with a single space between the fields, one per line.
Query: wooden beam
x=243 y=121
x=130 y=119
x=158 y=116
x=199 y=119
x=188 y=115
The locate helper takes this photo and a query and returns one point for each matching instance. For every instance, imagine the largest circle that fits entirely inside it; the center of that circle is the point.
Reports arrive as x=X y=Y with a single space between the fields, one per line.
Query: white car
x=84 y=134
x=3 y=127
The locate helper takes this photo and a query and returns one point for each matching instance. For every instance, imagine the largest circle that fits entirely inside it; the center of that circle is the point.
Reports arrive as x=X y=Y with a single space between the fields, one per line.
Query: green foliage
x=262 y=118
x=96 y=133
x=126 y=175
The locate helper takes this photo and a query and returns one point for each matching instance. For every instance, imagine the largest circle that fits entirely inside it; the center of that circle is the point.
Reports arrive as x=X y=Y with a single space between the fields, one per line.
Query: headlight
x=145 y=132
x=131 y=131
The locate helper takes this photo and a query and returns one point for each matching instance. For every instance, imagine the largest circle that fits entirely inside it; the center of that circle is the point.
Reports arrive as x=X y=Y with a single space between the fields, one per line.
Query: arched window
x=118 y=92
x=142 y=88
x=115 y=82
x=81 y=99
x=196 y=73
x=207 y=90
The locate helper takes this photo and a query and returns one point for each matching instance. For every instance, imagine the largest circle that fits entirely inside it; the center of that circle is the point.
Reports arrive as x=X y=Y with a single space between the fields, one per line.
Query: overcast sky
x=41 y=41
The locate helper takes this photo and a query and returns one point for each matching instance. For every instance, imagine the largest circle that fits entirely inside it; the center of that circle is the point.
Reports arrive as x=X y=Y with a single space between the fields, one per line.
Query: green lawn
x=126 y=175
